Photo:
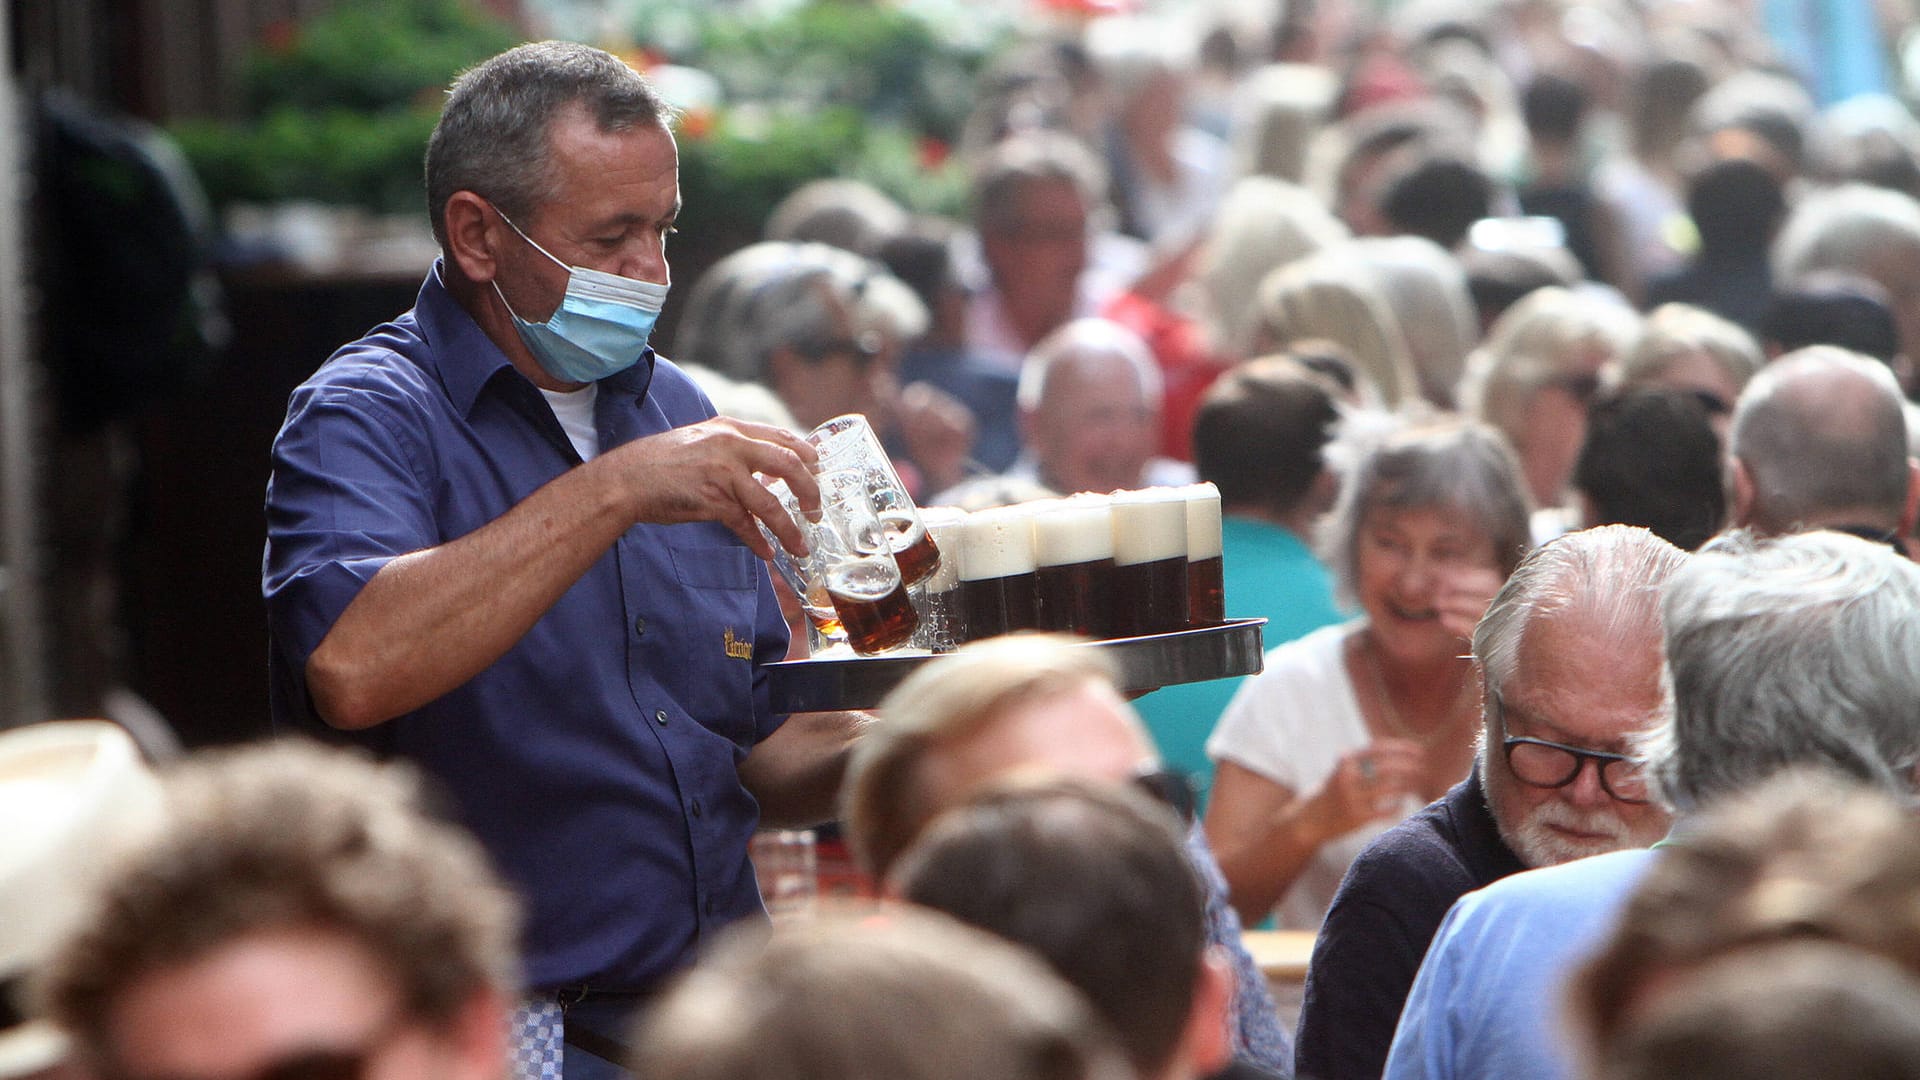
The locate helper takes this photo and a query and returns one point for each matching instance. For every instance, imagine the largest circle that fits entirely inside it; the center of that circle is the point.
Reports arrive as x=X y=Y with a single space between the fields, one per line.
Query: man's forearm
x=795 y=773
x=433 y=619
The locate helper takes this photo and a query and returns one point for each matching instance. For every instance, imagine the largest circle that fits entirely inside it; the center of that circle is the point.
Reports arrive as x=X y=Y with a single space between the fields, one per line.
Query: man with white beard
x=1571 y=671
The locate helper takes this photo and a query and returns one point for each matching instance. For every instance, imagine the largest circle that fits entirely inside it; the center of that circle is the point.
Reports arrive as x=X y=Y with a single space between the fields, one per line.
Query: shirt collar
x=467 y=359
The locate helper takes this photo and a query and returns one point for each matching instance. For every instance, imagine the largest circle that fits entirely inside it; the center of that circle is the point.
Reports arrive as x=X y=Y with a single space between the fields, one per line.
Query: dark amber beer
x=912 y=545
x=1150 y=562
x=872 y=603
x=1073 y=558
x=1206 y=585
x=997 y=574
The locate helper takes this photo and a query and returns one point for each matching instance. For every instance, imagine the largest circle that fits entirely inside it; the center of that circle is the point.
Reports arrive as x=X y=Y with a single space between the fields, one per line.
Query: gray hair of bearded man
x=1796 y=650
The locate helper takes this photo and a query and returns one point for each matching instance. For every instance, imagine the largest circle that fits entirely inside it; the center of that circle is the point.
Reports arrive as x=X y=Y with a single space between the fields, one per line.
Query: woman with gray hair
x=1355 y=726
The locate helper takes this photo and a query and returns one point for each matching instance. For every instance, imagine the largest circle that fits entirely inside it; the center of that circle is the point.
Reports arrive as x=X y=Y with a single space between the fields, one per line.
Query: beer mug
x=996 y=591
x=1073 y=557
x=1206 y=580
x=938 y=597
x=1150 y=561
x=850 y=570
x=806 y=576
x=847 y=443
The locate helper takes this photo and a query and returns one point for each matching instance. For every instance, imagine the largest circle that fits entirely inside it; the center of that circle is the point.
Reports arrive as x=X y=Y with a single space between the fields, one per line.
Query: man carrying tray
x=509 y=542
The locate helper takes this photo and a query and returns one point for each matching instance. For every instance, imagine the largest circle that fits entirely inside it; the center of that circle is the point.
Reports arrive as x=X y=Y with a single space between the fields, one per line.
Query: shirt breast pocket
x=715 y=667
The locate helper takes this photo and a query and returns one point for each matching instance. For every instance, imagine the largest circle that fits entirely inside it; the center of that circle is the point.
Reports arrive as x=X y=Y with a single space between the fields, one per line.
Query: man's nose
x=1586 y=788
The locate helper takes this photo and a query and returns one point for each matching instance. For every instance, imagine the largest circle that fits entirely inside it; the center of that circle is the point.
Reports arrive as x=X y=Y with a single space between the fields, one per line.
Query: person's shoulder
x=1582 y=884
x=1415 y=853
x=1315 y=655
x=393 y=362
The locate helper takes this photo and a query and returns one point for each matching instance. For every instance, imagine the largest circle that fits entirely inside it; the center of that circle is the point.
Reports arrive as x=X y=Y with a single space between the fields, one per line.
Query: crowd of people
x=1552 y=359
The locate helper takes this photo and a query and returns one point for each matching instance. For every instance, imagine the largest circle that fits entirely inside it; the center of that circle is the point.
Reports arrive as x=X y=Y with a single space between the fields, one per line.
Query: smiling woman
x=1356 y=726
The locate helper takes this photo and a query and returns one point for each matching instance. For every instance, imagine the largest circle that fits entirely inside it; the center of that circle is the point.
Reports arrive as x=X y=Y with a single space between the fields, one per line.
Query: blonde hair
x=886 y=801
x=1674 y=332
x=1263 y=224
x=1334 y=295
x=1548 y=336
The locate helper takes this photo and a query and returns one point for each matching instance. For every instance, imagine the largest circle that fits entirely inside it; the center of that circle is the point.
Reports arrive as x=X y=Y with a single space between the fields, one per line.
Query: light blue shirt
x=1269 y=573
x=1489 y=998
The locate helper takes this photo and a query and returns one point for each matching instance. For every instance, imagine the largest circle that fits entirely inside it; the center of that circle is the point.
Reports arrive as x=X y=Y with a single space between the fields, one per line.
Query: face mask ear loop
x=503 y=301
x=530 y=240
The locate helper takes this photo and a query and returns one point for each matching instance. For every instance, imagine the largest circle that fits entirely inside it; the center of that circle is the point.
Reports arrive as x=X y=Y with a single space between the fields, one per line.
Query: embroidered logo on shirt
x=739 y=650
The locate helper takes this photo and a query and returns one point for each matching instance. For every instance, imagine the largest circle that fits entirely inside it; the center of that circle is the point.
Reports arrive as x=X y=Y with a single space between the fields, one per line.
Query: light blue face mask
x=601 y=327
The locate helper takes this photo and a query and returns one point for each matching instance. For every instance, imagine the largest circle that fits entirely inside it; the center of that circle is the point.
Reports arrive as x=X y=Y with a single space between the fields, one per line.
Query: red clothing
x=1187 y=366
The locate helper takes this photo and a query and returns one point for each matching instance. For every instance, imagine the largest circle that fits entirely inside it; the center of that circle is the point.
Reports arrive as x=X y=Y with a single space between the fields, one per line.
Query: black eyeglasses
x=1169 y=787
x=1543 y=764
x=346 y=1063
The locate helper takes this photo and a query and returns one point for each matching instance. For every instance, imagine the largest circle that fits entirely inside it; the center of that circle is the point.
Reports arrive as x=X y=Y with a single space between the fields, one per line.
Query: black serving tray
x=1144 y=663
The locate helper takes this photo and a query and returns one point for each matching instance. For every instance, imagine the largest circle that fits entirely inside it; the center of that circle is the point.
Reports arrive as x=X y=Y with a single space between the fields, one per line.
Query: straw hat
x=70 y=791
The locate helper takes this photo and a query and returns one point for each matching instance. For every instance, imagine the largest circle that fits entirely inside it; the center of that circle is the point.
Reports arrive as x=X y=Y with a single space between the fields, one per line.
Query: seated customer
x=1358 y=725
x=1569 y=654
x=1651 y=459
x=1094 y=880
x=903 y=995
x=1793 y=651
x=299 y=917
x=1259 y=438
x=1034 y=705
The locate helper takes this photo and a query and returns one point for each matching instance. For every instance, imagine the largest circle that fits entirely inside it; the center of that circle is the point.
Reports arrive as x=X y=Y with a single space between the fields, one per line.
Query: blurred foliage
x=882 y=60
x=333 y=156
x=339 y=107
x=371 y=56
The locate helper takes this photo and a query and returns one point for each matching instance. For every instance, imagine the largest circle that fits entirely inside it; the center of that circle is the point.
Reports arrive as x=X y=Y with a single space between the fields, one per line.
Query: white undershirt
x=574 y=410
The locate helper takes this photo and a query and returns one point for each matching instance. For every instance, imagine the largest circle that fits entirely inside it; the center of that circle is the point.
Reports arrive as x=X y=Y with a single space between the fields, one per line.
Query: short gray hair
x=1796 y=650
x=493 y=135
x=1455 y=464
x=1822 y=429
x=1614 y=572
x=1088 y=336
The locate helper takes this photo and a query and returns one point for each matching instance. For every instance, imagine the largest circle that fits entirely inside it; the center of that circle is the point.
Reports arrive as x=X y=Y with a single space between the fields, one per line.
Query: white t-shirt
x=574 y=410
x=1291 y=724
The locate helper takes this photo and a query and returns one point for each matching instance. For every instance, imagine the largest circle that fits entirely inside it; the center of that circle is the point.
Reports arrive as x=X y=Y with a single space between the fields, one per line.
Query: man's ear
x=1739 y=493
x=471 y=236
x=1207 y=1044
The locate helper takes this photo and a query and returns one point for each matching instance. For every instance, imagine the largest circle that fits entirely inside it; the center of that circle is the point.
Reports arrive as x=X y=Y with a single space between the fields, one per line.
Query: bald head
x=1090 y=406
x=1819 y=439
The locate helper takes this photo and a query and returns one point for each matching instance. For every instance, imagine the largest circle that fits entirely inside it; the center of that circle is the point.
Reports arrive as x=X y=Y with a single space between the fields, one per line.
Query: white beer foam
x=944 y=524
x=996 y=543
x=1067 y=533
x=1149 y=525
x=1203 y=521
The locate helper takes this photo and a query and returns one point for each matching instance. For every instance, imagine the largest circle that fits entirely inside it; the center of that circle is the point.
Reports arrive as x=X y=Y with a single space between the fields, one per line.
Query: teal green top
x=1269 y=573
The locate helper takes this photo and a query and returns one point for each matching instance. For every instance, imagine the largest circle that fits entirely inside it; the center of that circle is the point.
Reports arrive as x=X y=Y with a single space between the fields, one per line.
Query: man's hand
x=706 y=472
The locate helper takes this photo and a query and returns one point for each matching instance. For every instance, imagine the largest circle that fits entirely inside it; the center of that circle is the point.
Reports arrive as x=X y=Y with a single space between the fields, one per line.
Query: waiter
x=508 y=541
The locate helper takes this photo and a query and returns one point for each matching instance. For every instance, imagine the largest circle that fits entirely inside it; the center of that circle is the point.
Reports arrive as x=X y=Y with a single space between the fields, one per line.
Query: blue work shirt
x=598 y=758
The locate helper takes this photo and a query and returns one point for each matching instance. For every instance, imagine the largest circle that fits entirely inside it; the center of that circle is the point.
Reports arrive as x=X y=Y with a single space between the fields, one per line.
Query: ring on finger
x=1367 y=771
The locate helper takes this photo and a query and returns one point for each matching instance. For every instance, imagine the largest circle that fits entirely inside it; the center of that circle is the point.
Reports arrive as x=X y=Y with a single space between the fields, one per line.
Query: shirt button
x=695 y=808
x=660 y=717
x=640 y=627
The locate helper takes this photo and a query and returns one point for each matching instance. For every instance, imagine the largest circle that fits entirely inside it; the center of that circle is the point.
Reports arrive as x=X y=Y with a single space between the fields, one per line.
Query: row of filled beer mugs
x=1102 y=566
